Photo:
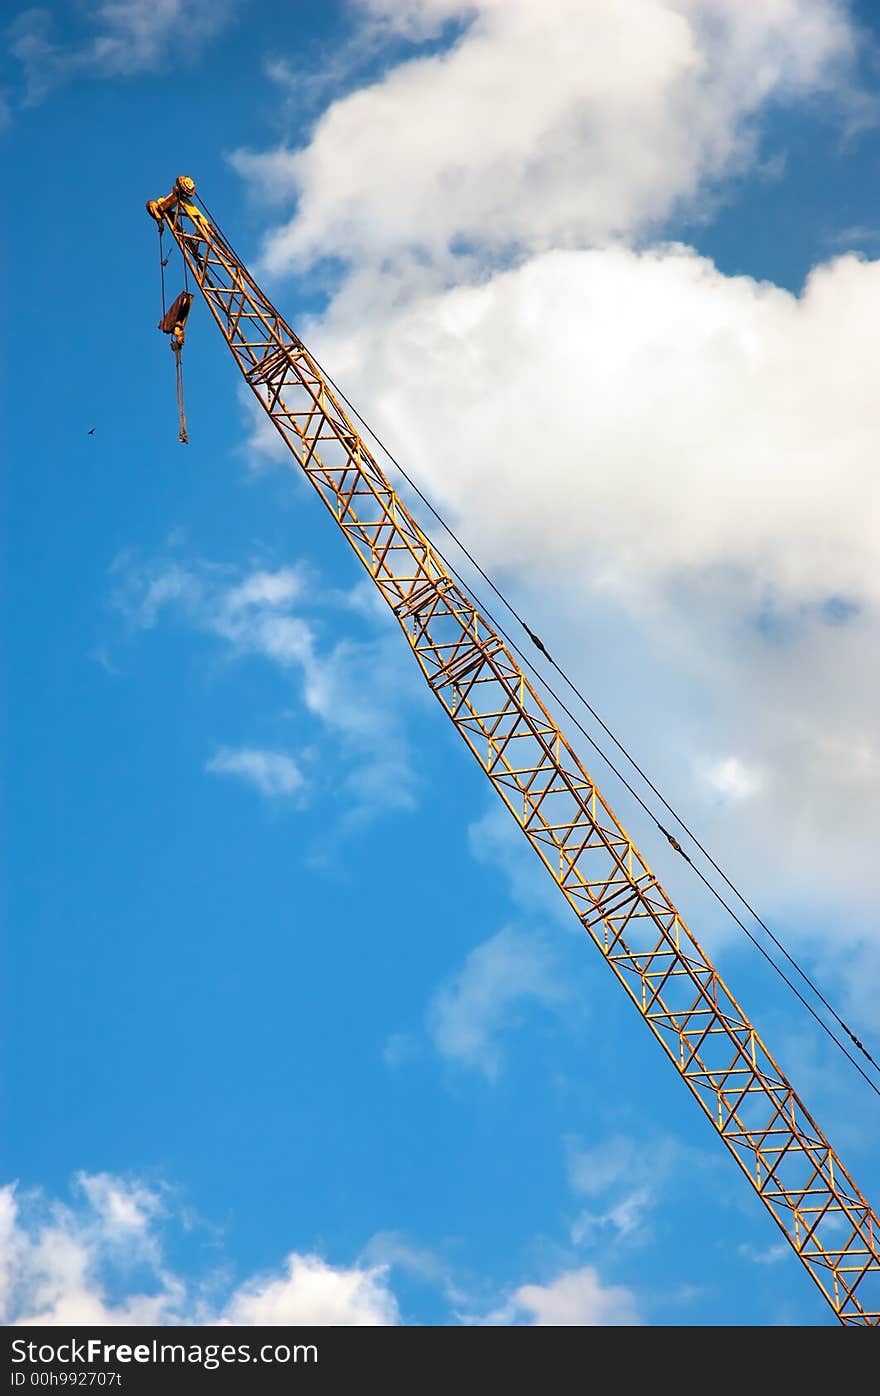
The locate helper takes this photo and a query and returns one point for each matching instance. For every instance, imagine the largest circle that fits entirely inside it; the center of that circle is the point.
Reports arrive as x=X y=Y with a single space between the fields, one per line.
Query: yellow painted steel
x=603 y=876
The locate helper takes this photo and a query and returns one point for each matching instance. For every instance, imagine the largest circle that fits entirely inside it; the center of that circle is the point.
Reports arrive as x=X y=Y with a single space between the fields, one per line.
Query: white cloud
x=544 y=125
x=576 y=1298
x=680 y=467
x=56 y=1261
x=733 y=779
x=72 y=1264
x=770 y=1255
x=499 y=980
x=688 y=422
x=625 y=1179
x=124 y=38
x=356 y=689
x=392 y=1248
x=273 y=773
x=171 y=585
x=417 y=19
x=606 y=1165
x=269 y=589
x=312 y=1292
x=123 y=1209
x=100 y=1259
x=678 y=464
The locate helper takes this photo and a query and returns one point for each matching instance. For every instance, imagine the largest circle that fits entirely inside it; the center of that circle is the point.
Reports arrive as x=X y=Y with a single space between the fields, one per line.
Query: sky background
x=294 y=1028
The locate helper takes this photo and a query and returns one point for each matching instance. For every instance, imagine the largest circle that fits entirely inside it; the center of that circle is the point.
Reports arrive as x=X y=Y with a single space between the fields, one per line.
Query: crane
x=621 y=905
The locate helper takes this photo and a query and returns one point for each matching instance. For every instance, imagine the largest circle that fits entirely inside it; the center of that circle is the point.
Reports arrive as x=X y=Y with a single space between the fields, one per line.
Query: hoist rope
x=182 y=434
x=162 y=261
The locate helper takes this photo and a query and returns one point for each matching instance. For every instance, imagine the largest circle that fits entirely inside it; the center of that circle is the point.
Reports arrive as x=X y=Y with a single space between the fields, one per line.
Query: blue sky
x=289 y=1016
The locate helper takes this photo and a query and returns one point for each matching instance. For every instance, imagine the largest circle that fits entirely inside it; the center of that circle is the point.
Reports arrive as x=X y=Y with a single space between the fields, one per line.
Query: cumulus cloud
x=705 y=482
x=693 y=421
x=273 y=773
x=124 y=38
x=311 y=1291
x=56 y=1260
x=543 y=125
x=673 y=467
x=99 y=1260
x=509 y=973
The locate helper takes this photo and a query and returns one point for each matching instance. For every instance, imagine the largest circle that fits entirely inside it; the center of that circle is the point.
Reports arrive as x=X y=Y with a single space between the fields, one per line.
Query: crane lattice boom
x=617 y=898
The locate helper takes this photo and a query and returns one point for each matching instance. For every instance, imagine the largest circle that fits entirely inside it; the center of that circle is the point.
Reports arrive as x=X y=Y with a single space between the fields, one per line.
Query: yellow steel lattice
x=612 y=890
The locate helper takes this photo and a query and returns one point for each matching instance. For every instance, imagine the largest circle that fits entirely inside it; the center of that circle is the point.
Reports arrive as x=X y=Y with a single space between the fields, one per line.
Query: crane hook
x=173 y=323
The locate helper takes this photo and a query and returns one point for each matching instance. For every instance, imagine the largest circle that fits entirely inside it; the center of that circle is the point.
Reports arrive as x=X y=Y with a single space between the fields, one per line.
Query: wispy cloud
x=150 y=591
x=273 y=589
x=509 y=974
x=854 y=238
x=392 y=1248
x=576 y=1298
x=625 y=1179
x=614 y=1174
x=495 y=841
x=768 y=1255
x=273 y=773
x=400 y=1048
x=355 y=688
x=123 y=38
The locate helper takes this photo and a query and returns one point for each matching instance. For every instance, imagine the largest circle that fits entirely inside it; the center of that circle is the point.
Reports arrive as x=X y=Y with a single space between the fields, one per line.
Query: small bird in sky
x=91 y=431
